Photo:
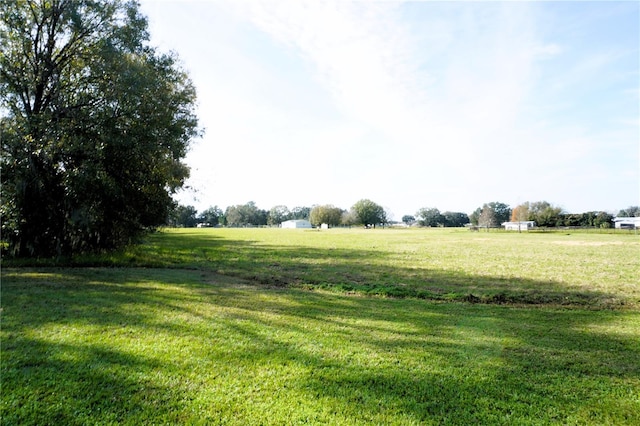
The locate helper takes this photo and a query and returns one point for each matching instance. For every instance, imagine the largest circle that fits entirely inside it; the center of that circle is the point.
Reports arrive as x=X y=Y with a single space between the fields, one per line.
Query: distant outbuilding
x=297 y=223
x=519 y=226
x=627 y=222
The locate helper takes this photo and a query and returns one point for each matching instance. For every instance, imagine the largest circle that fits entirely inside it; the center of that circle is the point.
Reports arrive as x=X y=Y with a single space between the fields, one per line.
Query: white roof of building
x=626 y=219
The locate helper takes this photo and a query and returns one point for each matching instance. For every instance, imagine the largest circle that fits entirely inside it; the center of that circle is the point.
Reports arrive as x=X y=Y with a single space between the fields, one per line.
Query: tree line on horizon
x=370 y=214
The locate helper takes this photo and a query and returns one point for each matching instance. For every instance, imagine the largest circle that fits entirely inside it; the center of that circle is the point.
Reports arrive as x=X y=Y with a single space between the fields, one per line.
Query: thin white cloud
x=376 y=71
x=359 y=50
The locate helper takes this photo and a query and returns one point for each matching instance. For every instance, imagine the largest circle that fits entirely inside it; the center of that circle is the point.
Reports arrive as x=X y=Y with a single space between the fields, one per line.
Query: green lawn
x=268 y=326
x=449 y=264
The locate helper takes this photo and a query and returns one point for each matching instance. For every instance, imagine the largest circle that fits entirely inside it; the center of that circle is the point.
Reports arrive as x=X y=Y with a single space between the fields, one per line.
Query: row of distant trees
x=368 y=213
x=365 y=212
x=547 y=215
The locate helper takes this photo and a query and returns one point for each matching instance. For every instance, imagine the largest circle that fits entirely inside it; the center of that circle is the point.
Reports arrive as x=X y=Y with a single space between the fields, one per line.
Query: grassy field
x=268 y=326
x=446 y=264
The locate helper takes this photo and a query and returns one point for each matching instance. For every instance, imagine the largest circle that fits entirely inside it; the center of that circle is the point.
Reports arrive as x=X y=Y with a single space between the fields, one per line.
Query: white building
x=299 y=223
x=519 y=226
x=627 y=222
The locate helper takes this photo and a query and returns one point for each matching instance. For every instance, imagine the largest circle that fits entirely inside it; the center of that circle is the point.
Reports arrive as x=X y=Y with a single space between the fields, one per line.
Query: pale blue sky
x=410 y=104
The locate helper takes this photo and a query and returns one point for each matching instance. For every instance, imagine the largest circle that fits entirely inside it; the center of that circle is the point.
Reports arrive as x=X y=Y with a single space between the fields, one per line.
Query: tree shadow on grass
x=57 y=383
x=444 y=363
x=59 y=365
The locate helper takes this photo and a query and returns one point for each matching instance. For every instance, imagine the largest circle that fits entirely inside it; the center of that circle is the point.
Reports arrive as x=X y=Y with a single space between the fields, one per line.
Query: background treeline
x=367 y=213
x=364 y=212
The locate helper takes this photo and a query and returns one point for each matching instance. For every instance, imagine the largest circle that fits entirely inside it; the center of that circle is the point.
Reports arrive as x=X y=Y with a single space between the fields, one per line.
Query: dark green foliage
x=94 y=125
x=544 y=214
x=631 y=211
x=475 y=216
x=547 y=215
x=491 y=214
x=366 y=212
x=328 y=214
x=278 y=214
x=455 y=219
x=588 y=219
x=430 y=216
x=245 y=215
x=502 y=211
x=408 y=219
x=212 y=216
x=299 y=213
x=183 y=217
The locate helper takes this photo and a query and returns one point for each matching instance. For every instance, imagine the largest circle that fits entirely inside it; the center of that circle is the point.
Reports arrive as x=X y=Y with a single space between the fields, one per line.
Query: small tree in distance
x=520 y=214
x=491 y=214
x=408 y=220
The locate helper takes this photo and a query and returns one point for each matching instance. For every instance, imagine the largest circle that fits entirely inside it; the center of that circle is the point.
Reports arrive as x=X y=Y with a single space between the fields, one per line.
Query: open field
x=443 y=264
x=268 y=326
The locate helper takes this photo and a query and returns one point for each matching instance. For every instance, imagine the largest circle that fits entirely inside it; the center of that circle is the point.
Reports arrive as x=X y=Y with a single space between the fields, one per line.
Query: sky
x=409 y=104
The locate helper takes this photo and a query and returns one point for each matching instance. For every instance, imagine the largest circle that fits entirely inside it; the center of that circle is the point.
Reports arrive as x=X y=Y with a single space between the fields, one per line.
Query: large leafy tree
x=183 y=217
x=430 y=216
x=366 y=212
x=212 y=216
x=94 y=124
x=328 y=214
x=278 y=214
x=502 y=211
x=544 y=214
x=246 y=215
x=300 y=213
x=455 y=219
x=491 y=214
x=631 y=211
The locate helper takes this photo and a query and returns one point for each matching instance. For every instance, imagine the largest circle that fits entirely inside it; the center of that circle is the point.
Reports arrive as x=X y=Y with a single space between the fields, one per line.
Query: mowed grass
x=220 y=327
x=446 y=264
